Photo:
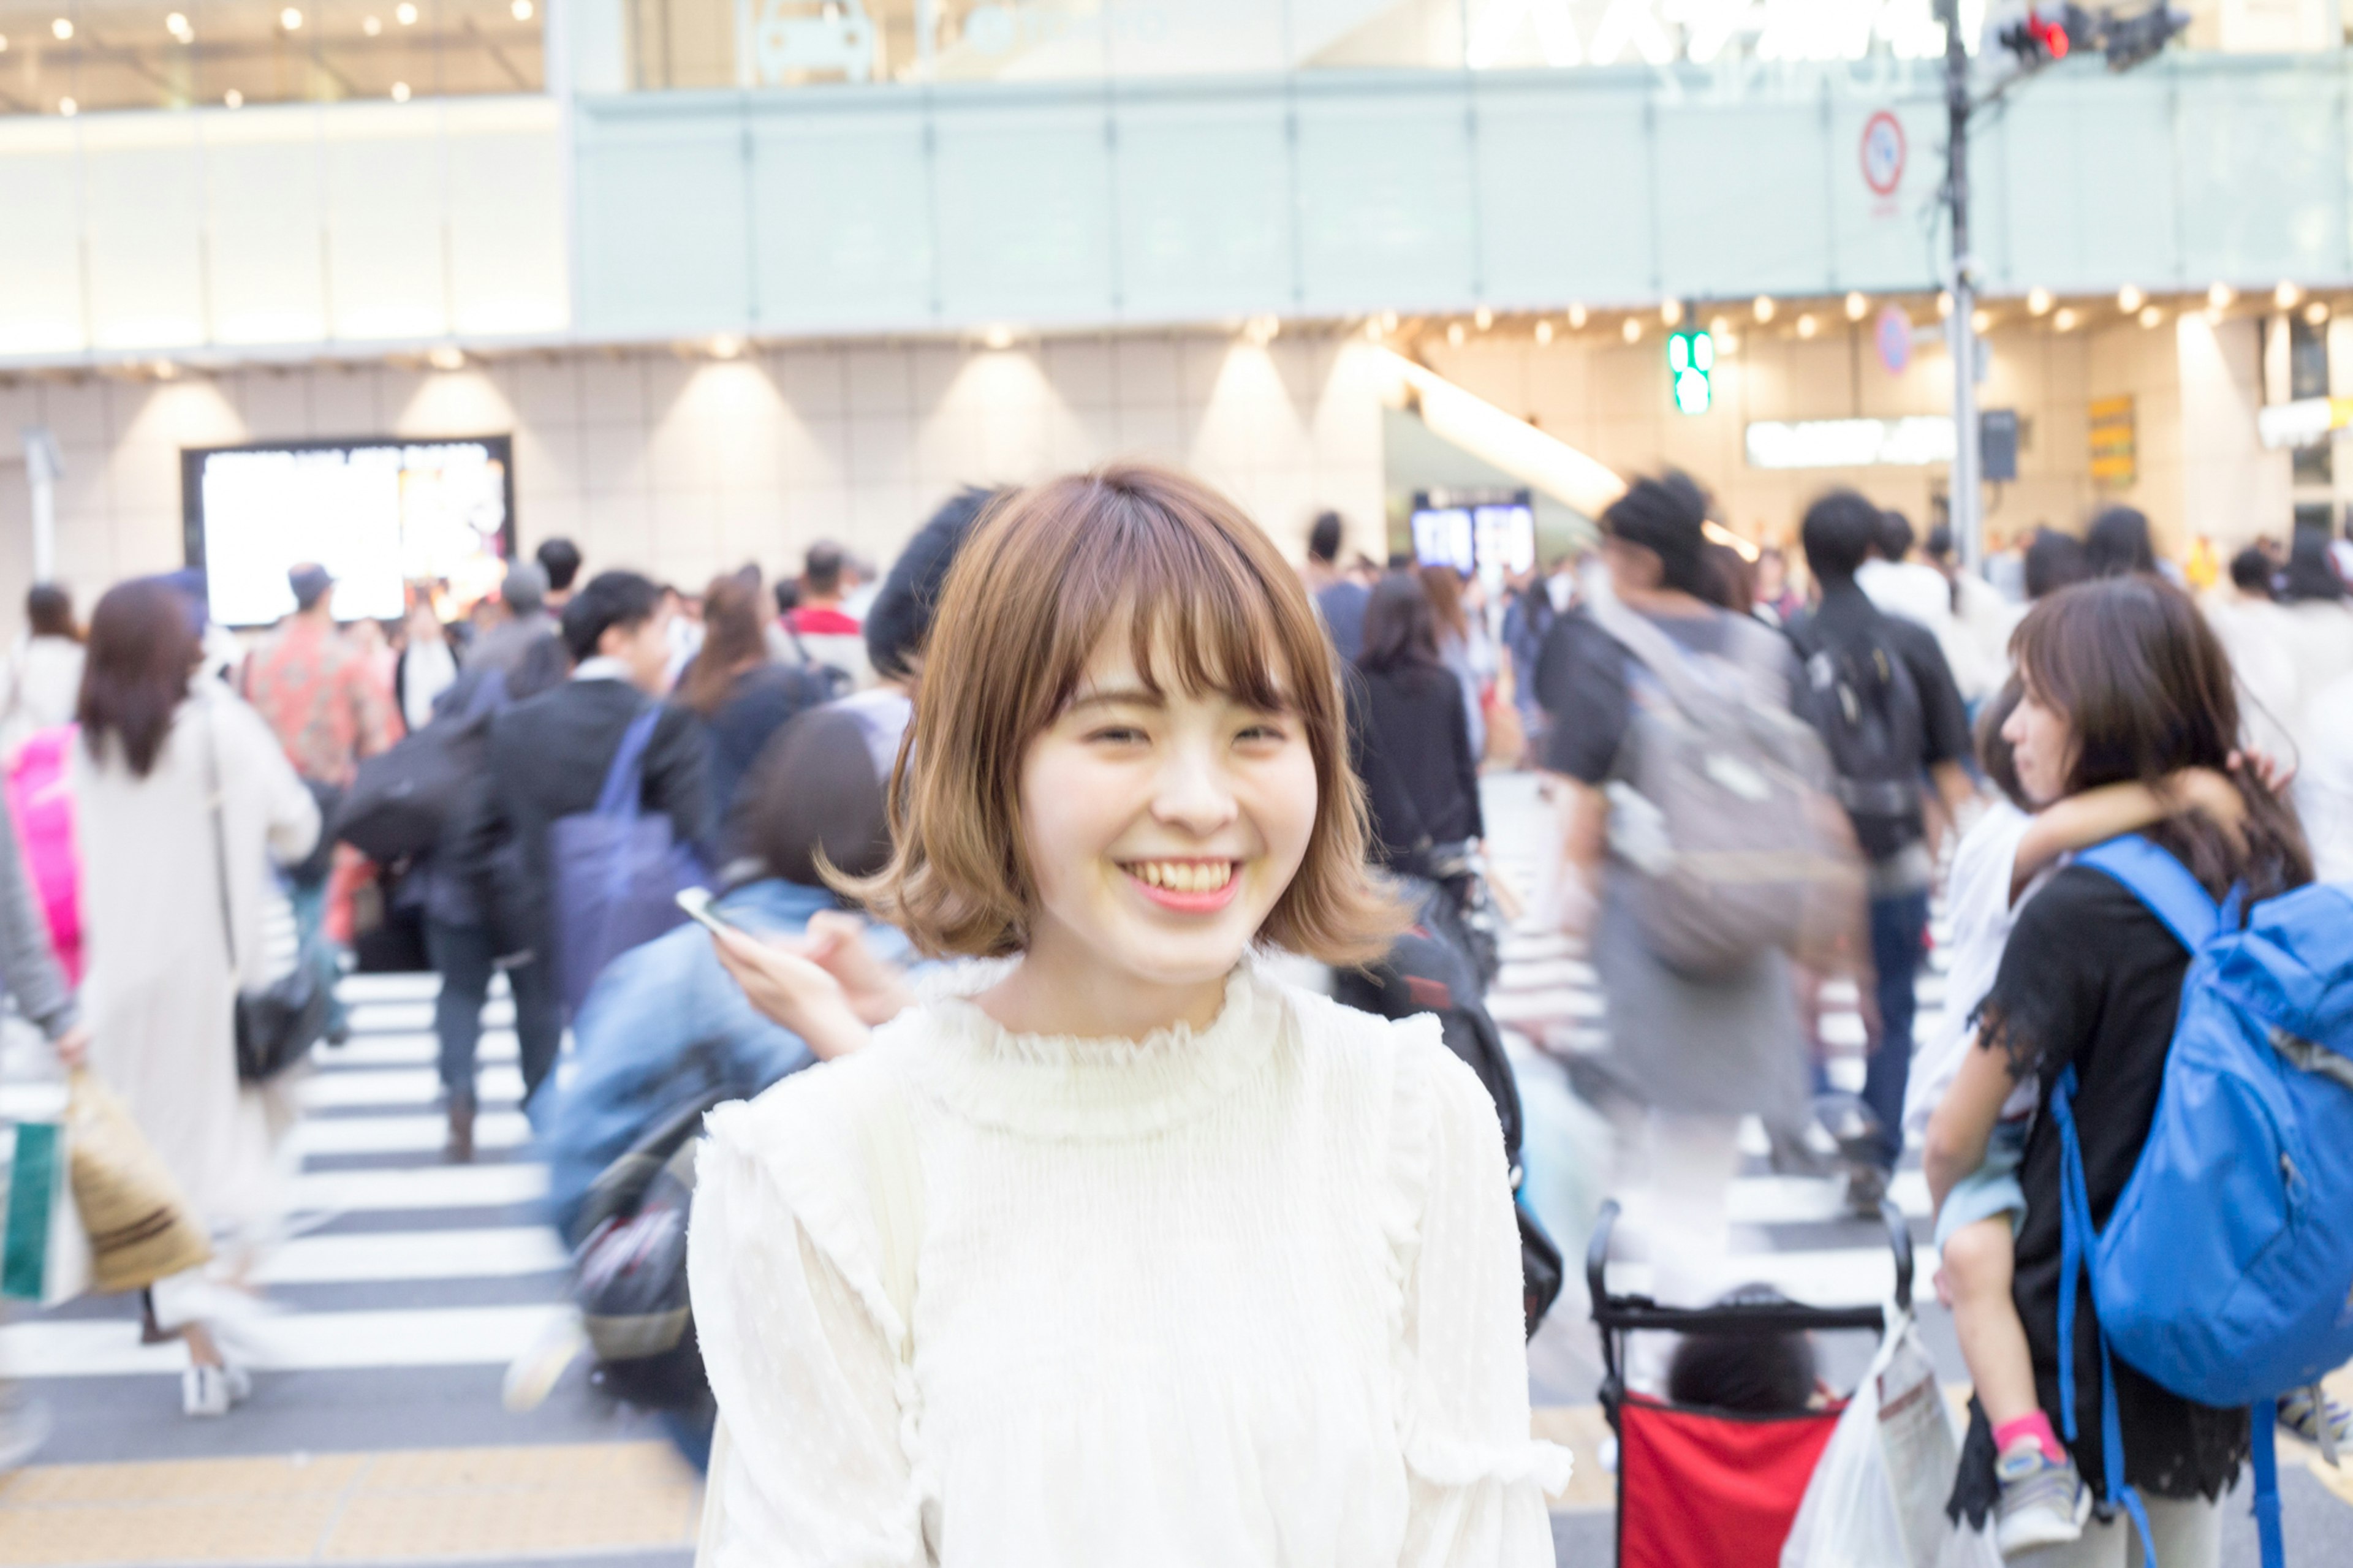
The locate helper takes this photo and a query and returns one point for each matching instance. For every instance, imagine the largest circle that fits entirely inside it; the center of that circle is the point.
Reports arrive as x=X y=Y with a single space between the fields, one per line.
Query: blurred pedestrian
x=559 y=560
x=2117 y=544
x=548 y=760
x=2053 y=561
x=428 y=667
x=1128 y=769
x=741 y=697
x=1339 y=600
x=1886 y=705
x=825 y=636
x=2319 y=620
x=519 y=622
x=1417 y=742
x=329 y=707
x=1691 y=1055
x=2258 y=633
x=898 y=624
x=1463 y=644
x=1982 y=619
x=45 y=675
x=184 y=799
x=1776 y=595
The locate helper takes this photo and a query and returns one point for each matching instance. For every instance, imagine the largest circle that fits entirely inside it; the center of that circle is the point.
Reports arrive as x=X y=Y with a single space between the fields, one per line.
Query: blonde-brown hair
x=1048 y=573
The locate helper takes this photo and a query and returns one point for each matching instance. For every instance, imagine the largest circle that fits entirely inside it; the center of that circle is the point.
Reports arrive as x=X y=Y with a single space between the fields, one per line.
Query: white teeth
x=1184 y=875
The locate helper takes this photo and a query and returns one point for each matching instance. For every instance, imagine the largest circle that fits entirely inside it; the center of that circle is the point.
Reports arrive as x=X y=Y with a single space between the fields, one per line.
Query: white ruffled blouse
x=1244 y=1296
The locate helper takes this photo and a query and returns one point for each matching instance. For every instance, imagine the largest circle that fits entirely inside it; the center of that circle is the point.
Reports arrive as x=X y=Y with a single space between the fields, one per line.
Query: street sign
x=1883 y=156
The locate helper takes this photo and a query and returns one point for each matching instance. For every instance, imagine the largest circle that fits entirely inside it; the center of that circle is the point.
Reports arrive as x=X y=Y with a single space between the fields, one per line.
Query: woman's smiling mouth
x=1187 y=886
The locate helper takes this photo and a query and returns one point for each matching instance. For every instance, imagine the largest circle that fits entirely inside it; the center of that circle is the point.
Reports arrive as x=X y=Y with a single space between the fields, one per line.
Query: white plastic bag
x=1877 y=1499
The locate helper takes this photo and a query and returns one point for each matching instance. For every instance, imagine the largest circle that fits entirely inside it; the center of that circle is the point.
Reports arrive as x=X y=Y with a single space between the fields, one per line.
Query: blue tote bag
x=617 y=871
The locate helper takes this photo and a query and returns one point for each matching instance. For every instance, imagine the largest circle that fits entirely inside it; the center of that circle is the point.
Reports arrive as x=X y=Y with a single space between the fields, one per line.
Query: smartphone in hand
x=696 y=902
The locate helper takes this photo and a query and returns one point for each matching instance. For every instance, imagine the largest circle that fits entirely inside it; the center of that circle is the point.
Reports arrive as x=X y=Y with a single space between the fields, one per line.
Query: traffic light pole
x=1965 y=504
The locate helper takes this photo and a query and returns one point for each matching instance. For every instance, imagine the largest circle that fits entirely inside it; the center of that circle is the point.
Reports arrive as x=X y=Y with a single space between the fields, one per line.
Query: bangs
x=1200 y=613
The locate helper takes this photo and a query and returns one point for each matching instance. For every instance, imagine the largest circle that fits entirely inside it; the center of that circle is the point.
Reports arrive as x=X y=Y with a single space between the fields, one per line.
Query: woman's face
x=2042 y=746
x=1161 y=830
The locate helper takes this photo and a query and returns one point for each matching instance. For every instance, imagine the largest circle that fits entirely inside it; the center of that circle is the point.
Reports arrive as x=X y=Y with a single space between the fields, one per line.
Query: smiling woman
x=1127 y=1251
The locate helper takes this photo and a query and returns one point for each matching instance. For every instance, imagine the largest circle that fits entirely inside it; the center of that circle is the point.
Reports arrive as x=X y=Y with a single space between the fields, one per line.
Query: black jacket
x=548 y=757
x=1413 y=752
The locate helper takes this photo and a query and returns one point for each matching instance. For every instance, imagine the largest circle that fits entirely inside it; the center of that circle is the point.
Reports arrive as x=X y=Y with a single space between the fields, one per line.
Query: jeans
x=310 y=903
x=1899 y=923
x=463 y=957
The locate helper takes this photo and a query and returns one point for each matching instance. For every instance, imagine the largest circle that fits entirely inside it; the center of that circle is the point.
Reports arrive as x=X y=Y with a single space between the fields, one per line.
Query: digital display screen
x=1486 y=535
x=379 y=515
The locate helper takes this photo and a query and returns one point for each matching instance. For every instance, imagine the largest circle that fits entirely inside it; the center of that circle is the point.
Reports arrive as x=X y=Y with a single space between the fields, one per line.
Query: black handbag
x=278 y=1025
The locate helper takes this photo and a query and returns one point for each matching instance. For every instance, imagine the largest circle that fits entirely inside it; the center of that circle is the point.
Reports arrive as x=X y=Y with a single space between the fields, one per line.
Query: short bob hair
x=1051 y=571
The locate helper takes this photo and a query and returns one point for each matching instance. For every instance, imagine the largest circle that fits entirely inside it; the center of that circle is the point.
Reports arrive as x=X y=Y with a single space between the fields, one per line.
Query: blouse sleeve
x=1477 y=1481
x=800 y=1346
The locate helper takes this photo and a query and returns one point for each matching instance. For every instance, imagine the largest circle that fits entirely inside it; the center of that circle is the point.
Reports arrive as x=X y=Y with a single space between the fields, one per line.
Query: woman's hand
x=793 y=992
x=875 y=989
x=73 y=1047
x=2268 y=771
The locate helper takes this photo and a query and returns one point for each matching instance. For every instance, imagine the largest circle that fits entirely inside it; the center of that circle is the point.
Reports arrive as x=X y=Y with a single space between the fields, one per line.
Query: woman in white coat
x=176 y=782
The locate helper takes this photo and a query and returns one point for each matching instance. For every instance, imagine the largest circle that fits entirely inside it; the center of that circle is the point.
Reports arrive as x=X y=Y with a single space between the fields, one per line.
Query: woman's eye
x=1265 y=733
x=1116 y=734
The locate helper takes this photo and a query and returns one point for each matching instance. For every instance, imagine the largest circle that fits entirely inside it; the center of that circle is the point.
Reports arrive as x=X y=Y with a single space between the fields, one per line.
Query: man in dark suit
x=548 y=759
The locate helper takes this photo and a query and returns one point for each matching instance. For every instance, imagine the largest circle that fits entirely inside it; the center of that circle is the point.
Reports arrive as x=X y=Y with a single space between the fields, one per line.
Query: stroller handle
x=1636 y=1312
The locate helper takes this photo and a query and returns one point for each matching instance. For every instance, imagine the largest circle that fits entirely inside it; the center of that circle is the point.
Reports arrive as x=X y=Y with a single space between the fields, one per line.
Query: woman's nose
x=1193 y=792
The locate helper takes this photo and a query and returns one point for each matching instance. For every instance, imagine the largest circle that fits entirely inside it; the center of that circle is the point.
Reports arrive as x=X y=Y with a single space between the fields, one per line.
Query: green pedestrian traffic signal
x=1691 y=362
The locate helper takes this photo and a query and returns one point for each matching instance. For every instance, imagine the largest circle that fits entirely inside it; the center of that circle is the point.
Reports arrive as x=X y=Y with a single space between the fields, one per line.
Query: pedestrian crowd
x=1005 y=837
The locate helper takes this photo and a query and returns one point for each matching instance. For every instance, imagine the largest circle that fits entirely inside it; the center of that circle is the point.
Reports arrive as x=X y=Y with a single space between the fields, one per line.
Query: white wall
x=684 y=468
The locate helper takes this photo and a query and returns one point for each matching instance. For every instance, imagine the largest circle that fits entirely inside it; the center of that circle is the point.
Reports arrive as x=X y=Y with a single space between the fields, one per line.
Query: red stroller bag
x=1715 y=1489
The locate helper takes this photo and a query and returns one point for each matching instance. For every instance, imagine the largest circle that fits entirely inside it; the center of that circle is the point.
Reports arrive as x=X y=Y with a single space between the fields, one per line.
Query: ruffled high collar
x=1069 y=1087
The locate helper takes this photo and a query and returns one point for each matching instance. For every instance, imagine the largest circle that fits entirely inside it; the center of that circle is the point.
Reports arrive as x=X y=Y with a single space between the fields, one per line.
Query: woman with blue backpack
x=2170 y=993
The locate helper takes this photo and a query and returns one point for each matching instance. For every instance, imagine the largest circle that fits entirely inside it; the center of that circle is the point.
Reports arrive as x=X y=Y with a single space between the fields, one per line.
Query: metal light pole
x=1961 y=328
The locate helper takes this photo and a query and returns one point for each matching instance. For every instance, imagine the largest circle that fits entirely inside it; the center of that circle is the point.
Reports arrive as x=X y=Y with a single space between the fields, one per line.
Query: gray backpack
x=1720 y=804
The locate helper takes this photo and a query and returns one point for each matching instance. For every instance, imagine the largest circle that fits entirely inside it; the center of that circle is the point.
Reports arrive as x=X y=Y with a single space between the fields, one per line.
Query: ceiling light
x=1857 y=307
x=1764 y=307
x=371 y=25
x=1944 y=303
x=2130 y=299
x=2287 y=296
x=726 y=345
x=446 y=356
x=1726 y=343
x=2065 y=321
x=1671 y=312
x=1454 y=333
x=1980 y=322
x=177 y=26
x=400 y=92
x=1389 y=321
x=3 y=43
x=290 y=18
x=1261 y=331
x=2038 y=301
x=521 y=9
x=997 y=336
x=61 y=29
x=2219 y=295
x=164 y=370
x=2317 y=313
x=1577 y=318
x=1544 y=331
x=234 y=99
x=1483 y=317
x=68 y=107
x=1806 y=327
x=1372 y=327
x=405 y=13
x=2150 y=315
x=1719 y=326
x=1632 y=330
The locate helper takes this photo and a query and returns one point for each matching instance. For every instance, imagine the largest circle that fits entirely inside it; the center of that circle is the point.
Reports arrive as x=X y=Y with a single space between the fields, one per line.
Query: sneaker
x=205 y=1390
x=2306 y=1410
x=2045 y=1501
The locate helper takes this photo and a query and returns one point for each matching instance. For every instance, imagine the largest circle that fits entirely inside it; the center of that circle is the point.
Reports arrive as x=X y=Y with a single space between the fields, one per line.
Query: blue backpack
x=2225 y=1273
